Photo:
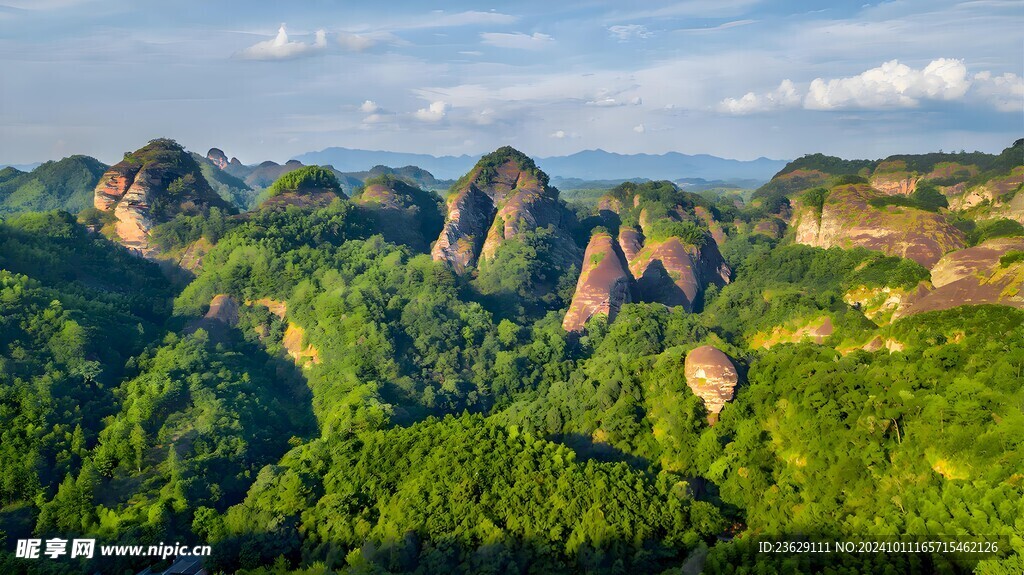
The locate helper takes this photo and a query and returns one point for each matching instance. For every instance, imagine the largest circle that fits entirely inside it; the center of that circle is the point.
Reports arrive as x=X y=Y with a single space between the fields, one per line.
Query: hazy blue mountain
x=602 y=165
x=349 y=160
x=22 y=167
x=587 y=165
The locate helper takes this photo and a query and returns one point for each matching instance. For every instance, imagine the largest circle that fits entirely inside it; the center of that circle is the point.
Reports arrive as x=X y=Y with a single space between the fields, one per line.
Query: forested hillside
x=505 y=382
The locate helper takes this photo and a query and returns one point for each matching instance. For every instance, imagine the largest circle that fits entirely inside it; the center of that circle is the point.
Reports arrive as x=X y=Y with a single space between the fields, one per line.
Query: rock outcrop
x=972 y=261
x=150 y=186
x=711 y=375
x=668 y=257
x=401 y=212
x=973 y=276
x=604 y=284
x=223 y=308
x=219 y=319
x=217 y=158
x=847 y=220
x=502 y=196
x=674 y=273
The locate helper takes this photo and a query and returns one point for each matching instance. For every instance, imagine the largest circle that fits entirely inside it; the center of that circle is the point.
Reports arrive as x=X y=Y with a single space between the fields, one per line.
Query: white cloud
x=724 y=26
x=639 y=128
x=40 y=4
x=558 y=134
x=280 y=48
x=518 y=40
x=369 y=107
x=785 y=96
x=434 y=113
x=485 y=117
x=605 y=103
x=375 y=118
x=627 y=32
x=469 y=18
x=355 y=42
x=1005 y=93
x=891 y=85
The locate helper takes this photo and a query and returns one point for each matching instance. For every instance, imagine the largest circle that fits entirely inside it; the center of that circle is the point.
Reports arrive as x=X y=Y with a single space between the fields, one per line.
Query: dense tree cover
x=460 y=495
x=306 y=178
x=360 y=301
x=195 y=425
x=925 y=442
x=795 y=282
x=980 y=232
x=530 y=274
x=62 y=185
x=437 y=423
x=73 y=309
x=828 y=165
x=1002 y=164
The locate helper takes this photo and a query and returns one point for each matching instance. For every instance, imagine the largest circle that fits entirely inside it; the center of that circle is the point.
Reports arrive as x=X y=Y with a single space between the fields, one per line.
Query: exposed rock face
x=470 y=213
x=773 y=228
x=816 y=330
x=504 y=195
x=304 y=355
x=896 y=183
x=604 y=284
x=877 y=303
x=717 y=233
x=667 y=270
x=218 y=321
x=972 y=276
x=671 y=273
x=150 y=186
x=971 y=261
x=402 y=212
x=223 y=308
x=192 y=258
x=848 y=220
x=113 y=185
x=631 y=242
x=711 y=376
x=217 y=157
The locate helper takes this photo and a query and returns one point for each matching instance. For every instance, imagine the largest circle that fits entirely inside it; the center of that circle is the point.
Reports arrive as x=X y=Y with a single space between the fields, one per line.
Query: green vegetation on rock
x=306 y=178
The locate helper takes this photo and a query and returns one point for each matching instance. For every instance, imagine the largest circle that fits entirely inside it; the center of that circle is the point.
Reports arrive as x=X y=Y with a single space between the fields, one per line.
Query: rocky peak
x=711 y=375
x=217 y=157
x=402 y=212
x=976 y=275
x=603 y=286
x=503 y=195
x=152 y=185
x=847 y=218
x=674 y=255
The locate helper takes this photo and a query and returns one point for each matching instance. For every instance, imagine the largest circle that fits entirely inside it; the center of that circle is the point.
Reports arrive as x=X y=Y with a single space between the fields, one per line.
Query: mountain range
x=587 y=164
x=315 y=376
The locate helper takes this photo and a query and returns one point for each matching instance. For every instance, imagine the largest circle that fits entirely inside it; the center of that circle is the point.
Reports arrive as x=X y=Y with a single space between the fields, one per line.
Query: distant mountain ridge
x=587 y=164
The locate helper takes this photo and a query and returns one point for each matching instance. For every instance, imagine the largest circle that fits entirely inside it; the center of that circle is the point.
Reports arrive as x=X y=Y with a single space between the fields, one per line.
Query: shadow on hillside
x=586 y=448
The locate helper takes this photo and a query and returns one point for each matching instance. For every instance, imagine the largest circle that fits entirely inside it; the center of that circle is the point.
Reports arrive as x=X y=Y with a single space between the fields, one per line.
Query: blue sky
x=734 y=78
